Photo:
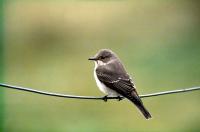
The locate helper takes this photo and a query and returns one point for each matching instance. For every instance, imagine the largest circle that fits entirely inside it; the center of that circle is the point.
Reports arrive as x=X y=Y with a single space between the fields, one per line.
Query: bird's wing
x=115 y=81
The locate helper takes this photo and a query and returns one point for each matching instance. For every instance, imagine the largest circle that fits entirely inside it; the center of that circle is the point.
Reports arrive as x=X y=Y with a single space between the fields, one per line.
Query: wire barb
x=94 y=97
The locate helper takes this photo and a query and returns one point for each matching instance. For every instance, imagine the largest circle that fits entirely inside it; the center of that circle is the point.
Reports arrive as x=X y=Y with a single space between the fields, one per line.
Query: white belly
x=102 y=87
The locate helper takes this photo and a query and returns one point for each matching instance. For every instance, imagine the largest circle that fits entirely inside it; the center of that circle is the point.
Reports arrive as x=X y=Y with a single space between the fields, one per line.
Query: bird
x=113 y=80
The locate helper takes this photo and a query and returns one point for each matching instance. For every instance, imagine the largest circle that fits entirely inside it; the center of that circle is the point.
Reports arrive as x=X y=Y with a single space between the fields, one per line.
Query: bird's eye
x=102 y=57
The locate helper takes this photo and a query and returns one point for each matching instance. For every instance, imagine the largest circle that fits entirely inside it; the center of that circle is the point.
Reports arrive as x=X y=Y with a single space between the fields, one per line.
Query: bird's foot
x=119 y=98
x=105 y=98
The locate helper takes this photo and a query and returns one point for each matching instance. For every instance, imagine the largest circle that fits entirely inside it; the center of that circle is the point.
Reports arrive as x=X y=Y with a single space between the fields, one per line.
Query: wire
x=94 y=97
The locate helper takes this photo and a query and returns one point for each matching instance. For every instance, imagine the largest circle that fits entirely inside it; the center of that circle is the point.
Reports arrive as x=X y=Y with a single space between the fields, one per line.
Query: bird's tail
x=144 y=111
x=138 y=102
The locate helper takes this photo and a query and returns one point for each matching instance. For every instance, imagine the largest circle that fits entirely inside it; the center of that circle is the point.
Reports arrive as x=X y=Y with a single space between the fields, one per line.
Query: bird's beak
x=93 y=58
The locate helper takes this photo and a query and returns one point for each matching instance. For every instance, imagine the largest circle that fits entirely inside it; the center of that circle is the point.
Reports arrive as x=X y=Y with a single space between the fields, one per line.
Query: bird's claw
x=105 y=98
x=119 y=98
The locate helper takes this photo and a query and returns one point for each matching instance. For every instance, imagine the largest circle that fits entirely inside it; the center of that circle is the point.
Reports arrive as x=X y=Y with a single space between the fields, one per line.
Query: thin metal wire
x=94 y=97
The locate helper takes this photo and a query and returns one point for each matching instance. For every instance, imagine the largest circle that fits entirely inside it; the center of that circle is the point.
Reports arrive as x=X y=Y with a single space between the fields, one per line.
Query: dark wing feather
x=116 y=81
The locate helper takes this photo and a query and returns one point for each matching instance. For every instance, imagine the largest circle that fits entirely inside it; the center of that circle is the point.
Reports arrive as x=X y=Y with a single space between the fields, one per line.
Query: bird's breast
x=102 y=87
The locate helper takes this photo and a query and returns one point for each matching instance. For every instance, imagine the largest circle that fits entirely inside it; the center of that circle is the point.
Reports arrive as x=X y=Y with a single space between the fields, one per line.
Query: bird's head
x=103 y=56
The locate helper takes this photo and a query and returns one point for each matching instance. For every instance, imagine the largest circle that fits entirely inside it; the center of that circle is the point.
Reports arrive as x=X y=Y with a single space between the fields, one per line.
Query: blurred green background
x=1 y=66
x=46 y=42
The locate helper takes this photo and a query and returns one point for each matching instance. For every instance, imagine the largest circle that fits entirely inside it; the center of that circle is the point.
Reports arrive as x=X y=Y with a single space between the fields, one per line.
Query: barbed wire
x=94 y=97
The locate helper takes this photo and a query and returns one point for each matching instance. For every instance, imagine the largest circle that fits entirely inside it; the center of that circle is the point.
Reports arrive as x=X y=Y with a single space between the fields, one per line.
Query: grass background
x=46 y=42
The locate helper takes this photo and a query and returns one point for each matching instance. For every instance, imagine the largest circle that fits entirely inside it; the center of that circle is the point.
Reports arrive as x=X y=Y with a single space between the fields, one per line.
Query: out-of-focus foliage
x=47 y=46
